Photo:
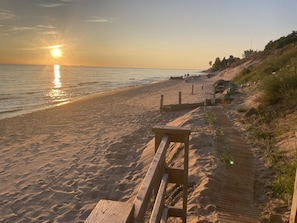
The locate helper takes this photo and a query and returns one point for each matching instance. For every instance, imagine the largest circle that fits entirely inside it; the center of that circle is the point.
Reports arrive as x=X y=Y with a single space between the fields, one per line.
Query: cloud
x=58 y=4
x=22 y=28
x=69 y=1
x=13 y=30
x=96 y=19
x=45 y=27
x=44 y=47
x=50 y=33
x=52 y=5
x=54 y=46
x=6 y=15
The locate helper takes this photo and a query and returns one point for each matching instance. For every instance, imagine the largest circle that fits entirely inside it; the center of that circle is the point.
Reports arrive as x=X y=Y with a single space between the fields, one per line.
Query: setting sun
x=56 y=52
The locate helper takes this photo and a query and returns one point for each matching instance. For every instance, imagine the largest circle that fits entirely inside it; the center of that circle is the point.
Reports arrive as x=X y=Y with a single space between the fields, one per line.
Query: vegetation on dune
x=272 y=63
x=282 y=42
x=283 y=185
x=276 y=73
x=280 y=90
x=273 y=60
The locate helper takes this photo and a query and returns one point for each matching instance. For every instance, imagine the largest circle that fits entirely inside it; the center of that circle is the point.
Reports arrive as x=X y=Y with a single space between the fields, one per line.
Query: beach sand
x=56 y=164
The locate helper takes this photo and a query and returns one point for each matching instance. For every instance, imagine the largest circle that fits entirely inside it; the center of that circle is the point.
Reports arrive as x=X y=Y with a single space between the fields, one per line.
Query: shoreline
x=15 y=113
x=43 y=88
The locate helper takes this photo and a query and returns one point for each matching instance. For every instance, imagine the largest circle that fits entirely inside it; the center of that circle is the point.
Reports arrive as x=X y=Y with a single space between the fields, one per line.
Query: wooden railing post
x=177 y=134
x=161 y=102
x=294 y=202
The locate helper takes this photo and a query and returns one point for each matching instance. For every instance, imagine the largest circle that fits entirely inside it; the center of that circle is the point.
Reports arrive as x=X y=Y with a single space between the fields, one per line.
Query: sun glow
x=56 y=52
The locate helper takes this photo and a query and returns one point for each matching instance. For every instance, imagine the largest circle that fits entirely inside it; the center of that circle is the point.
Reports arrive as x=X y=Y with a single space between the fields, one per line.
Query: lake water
x=26 y=88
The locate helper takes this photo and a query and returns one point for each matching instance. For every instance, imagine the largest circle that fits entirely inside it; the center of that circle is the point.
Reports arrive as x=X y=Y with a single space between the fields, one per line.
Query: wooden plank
x=294 y=202
x=177 y=134
x=151 y=180
x=172 y=130
x=164 y=215
x=185 y=184
x=159 y=202
x=111 y=211
x=176 y=175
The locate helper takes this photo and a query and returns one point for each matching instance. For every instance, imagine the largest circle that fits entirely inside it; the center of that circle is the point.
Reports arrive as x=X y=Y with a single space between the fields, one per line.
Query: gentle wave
x=32 y=92
x=87 y=83
x=10 y=111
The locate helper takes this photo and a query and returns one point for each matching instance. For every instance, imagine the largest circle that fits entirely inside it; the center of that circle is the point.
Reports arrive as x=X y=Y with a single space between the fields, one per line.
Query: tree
x=210 y=63
x=248 y=53
x=217 y=64
x=282 y=41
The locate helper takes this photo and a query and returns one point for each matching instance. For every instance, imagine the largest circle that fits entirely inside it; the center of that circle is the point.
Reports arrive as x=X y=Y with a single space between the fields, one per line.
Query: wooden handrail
x=154 y=184
x=163 y=136
x=151 y=179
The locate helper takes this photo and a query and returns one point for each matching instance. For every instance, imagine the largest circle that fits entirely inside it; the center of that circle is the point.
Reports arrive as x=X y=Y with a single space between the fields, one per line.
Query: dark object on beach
x=210 y=75
x=230 y=90
x=220 y=85
x=221 y=82
x=176 y=78
x=219 y=89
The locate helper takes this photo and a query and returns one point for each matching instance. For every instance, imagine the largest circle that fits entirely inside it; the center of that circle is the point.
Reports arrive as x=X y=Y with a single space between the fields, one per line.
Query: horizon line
x=118 y=67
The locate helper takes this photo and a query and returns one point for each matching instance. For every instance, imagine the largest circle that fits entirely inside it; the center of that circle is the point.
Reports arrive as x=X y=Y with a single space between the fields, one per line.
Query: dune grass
x=272 y=62
x=280 y=89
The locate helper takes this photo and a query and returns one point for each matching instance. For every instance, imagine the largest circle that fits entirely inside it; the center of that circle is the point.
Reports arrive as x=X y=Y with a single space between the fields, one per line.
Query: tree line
x=219 y=64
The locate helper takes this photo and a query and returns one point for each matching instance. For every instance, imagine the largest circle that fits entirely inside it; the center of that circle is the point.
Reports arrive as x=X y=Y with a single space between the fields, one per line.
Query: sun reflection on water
x=56 y=93
x=57 y=75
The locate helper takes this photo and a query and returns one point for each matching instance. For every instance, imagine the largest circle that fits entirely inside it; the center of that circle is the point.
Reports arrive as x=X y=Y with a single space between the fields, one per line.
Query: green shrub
x=283 y=185
x=280 y=89
x=241 y=110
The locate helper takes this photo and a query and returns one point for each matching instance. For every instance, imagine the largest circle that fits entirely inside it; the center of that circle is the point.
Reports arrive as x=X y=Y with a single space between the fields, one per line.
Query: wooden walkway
x=236 y=197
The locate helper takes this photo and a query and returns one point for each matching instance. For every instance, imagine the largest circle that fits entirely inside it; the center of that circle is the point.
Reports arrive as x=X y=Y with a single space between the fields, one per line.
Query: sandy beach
x=56 y=164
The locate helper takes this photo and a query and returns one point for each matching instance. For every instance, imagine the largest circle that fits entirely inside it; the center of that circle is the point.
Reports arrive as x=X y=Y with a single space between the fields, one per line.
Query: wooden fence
x=180 y=106
x=153 y=186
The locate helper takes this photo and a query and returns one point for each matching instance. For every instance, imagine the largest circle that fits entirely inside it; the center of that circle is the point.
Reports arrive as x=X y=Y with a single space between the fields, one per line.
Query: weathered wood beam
x=111 y=211
x=151 y=179
x=159 y=202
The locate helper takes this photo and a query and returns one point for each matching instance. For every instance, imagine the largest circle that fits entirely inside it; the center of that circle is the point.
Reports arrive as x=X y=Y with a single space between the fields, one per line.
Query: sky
x=179 y=34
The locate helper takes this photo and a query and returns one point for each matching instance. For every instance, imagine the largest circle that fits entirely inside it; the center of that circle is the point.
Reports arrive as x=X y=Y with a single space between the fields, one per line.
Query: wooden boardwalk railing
x=153 y=186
